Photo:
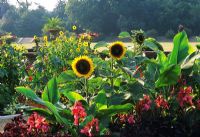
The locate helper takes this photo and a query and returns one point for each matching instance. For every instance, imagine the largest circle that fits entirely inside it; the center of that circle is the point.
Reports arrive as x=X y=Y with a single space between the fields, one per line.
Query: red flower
x=126 y=118
x=198 y=104
x=131 y=119
x=30 y=78
x=161 y=102
x=37 y=123
x=184 y=96
x=91 y=128
x=79 y=113
x=144 y=104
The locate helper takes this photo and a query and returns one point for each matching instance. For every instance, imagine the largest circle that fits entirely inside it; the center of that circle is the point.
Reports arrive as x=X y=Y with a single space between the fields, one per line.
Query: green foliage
x=53 y=24
x=181 y=48
x=51 y=93
x=12 y=69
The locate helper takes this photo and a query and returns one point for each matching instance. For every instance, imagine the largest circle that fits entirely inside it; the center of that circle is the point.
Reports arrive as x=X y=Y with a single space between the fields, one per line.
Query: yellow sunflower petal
x=117 y=50
x=83 y=66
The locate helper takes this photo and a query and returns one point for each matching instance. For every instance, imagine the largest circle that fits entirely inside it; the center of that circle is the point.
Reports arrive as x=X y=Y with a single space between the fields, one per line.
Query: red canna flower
x=37 y=123
x=131 y=119
x=30 y=78
x=184 y=96
x=161 y=102
x=91 y=128
x=144 y=104
x=79 y=113
x=198 y=104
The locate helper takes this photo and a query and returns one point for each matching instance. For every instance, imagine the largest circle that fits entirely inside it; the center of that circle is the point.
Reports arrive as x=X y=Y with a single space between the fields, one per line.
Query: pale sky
x=48 y=4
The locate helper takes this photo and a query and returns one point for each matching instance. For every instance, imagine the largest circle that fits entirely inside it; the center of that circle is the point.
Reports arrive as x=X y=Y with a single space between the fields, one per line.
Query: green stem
x=86 y=90
x=112 y=67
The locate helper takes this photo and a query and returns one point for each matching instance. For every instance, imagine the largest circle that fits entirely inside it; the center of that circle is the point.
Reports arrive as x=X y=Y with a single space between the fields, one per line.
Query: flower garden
x=75 y=88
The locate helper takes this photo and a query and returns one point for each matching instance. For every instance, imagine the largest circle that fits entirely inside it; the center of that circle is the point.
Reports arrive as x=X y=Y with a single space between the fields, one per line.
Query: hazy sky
x=48 y=4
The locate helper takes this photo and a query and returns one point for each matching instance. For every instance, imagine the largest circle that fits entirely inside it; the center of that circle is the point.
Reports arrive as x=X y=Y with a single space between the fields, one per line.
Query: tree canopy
x=107 y=17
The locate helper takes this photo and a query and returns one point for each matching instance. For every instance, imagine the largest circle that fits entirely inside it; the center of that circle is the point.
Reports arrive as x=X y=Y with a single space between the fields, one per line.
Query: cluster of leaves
x=12 y=68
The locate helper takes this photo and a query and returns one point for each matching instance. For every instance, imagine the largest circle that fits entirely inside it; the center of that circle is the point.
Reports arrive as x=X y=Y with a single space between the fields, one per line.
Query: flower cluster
x=198 y=104
x=124 y=118
x=144 y=104
x=91 y=128
x=79 y=113
x=161 y=102
x=184 y=96
x=37 y=123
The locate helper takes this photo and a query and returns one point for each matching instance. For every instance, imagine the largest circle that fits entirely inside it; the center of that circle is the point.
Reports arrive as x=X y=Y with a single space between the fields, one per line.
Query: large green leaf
x=66 y=76
x=51 y=93
x=190 y=60
x=181 y=48
x=153 y=44
x=114 y=109
x=124 y=34
x=60 y=119
x=101 y=100
x=73 y=96
x=30 y=94
x=169 y=76
x=101 y=44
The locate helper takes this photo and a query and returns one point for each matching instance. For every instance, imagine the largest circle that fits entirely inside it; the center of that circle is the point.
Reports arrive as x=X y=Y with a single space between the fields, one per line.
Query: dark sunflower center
x=117 y=50
x=140 y=38
x=83 y=66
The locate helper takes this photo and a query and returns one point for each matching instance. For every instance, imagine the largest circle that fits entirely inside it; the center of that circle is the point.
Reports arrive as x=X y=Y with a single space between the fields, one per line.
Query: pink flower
x=91 y=128
x=131 y=119
x=37 y=122
x=184 y=96
x=144 y=104
x=198 y=104
x=79 y=113
x=161 y=102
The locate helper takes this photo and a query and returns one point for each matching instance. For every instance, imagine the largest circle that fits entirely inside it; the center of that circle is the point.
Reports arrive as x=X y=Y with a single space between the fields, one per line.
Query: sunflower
x=117 y=50
x=61 y=33
x=45 y=38
x=83 y=66
x=74 y=28
x=138 y=36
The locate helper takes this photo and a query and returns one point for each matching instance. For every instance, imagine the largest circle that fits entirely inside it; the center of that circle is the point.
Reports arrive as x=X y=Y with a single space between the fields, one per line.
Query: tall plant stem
x=112 y=67
x=86 y=90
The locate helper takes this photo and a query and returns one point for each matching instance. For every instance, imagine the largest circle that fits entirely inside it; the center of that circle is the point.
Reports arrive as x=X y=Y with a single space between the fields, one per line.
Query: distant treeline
x=108 y=17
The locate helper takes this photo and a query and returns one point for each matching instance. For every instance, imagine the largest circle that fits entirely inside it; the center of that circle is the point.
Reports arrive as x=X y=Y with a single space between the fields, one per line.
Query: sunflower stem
x=112 y=67
x=86 y=90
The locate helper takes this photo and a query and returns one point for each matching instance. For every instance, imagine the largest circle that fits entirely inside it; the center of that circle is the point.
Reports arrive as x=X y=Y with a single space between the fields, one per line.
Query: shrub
x=12 y=66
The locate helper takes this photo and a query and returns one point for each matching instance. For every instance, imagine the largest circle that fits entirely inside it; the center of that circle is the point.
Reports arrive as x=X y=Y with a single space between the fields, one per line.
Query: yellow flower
x=117 y=50
x=79 y=44
x=74 y=28
x=71 y=39
x=85 y=52
x=86 y=44
x=61 y=33
x=45 y=38
x=83 y=66
x=78 y=49
x=35 y=37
